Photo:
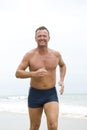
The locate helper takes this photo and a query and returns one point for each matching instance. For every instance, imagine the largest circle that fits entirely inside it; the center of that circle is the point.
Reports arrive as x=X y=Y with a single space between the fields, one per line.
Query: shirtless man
x=42 y=63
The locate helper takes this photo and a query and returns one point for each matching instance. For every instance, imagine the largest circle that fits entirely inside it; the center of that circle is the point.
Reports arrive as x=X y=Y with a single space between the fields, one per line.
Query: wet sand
x=16 y=121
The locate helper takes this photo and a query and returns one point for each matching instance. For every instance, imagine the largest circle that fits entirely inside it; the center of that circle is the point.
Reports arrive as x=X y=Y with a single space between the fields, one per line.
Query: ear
x=35 y=38
x=49 y=38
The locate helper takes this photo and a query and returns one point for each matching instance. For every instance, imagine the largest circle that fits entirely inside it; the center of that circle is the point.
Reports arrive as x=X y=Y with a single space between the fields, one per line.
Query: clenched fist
x=40 y=72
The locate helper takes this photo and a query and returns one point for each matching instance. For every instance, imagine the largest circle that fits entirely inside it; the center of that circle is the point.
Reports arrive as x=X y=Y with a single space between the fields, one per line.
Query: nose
x=42 y=37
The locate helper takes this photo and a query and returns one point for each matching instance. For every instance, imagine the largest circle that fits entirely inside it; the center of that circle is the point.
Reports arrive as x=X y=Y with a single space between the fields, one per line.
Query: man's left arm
x=62 y=68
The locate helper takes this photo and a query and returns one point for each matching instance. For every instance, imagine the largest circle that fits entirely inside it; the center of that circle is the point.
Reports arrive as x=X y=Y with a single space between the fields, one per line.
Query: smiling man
x=42 y=63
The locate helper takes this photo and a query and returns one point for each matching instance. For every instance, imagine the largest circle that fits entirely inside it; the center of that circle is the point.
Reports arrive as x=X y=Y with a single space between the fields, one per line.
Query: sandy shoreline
x=16 y=121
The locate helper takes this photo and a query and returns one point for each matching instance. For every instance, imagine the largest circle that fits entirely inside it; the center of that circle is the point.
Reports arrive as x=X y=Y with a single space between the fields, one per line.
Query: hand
x=61 y=84
x=41 y=72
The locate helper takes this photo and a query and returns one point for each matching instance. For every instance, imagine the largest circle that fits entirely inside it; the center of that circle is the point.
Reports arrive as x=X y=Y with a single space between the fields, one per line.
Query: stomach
x=45 y=82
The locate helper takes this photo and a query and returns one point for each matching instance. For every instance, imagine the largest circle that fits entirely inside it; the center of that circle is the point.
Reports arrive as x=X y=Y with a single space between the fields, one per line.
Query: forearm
x=62 y=75
x=24 y=74
x=62 y=72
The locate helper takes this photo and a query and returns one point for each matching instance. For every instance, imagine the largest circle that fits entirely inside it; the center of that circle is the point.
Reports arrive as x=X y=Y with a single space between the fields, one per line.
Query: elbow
x=17 y=74
x=65 y=66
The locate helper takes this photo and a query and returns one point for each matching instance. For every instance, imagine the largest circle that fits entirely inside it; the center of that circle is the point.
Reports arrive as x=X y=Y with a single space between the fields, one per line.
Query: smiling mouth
x=42 y=41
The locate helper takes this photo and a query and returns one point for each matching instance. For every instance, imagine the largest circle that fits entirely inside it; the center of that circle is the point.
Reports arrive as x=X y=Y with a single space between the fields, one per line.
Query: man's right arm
x=22 y=73
x=25 y=74
x=21 y=70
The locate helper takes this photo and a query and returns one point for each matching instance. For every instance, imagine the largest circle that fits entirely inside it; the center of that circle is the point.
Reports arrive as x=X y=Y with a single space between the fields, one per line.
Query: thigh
x=52 y=111
x=35 y=115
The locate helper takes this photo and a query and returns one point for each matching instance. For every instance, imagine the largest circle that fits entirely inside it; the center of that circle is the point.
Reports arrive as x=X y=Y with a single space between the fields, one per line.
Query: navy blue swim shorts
x=37 y=97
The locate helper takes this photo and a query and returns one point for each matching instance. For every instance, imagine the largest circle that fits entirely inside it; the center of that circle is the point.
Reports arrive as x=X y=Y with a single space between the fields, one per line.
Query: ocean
x=70 y=105
x=73 y=105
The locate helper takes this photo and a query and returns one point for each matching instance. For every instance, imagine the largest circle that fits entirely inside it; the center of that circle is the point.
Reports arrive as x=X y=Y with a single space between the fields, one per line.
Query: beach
x=18 y=121
x=72 y=113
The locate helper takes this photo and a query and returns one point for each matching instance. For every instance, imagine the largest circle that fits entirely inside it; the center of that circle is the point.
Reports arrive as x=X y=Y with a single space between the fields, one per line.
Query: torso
x=49 y=61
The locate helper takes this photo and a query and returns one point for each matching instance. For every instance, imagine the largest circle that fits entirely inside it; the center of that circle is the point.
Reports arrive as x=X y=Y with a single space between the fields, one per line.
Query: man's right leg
x=35 y=117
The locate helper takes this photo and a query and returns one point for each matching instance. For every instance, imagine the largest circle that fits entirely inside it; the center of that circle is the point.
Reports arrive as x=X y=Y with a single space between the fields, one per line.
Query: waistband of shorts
x=36 y=89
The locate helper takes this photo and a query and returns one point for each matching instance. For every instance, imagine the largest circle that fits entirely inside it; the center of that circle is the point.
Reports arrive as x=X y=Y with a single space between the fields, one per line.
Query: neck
x=42 y=50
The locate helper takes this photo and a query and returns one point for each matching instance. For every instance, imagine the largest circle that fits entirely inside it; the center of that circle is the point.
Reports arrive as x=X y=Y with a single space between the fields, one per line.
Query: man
x=42 y=63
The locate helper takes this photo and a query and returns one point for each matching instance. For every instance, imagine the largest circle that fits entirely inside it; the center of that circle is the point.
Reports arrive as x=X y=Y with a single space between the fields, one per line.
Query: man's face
x=42 y=37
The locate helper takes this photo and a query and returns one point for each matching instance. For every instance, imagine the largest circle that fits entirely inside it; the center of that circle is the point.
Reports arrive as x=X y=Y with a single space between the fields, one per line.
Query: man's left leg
x=52 y=112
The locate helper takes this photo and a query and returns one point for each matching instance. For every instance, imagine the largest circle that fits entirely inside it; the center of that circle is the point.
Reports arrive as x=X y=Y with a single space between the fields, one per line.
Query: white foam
x=73 y=110
x=14 y=104
x=19 y=105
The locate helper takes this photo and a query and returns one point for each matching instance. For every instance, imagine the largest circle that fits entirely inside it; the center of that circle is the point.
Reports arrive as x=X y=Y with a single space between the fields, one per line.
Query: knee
x=35 y=126
x=52 y=125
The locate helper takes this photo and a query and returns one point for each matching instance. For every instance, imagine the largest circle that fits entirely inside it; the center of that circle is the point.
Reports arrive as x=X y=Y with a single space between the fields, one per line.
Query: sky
x=67 y=23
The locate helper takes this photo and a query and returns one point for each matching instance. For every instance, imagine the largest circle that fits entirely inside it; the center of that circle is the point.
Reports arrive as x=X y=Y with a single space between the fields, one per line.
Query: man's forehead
x=44 y=31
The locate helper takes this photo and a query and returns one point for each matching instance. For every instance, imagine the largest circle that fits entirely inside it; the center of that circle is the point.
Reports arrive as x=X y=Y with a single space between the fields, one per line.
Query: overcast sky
x=67 y=23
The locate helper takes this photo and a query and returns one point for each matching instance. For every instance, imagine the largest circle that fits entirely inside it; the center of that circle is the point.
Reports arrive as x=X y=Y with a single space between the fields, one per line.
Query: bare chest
x=48 y=62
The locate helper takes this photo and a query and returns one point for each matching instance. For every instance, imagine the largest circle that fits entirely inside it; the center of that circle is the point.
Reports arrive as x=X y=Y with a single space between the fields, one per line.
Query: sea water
x=70 y=105
x=73 y=105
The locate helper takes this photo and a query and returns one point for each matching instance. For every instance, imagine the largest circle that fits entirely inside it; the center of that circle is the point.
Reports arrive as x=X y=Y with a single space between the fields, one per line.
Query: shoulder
x=55 y=52
x=30 y=53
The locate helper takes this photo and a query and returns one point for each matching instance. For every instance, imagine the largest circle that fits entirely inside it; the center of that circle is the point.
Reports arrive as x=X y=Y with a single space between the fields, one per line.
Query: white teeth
x=42 y=41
